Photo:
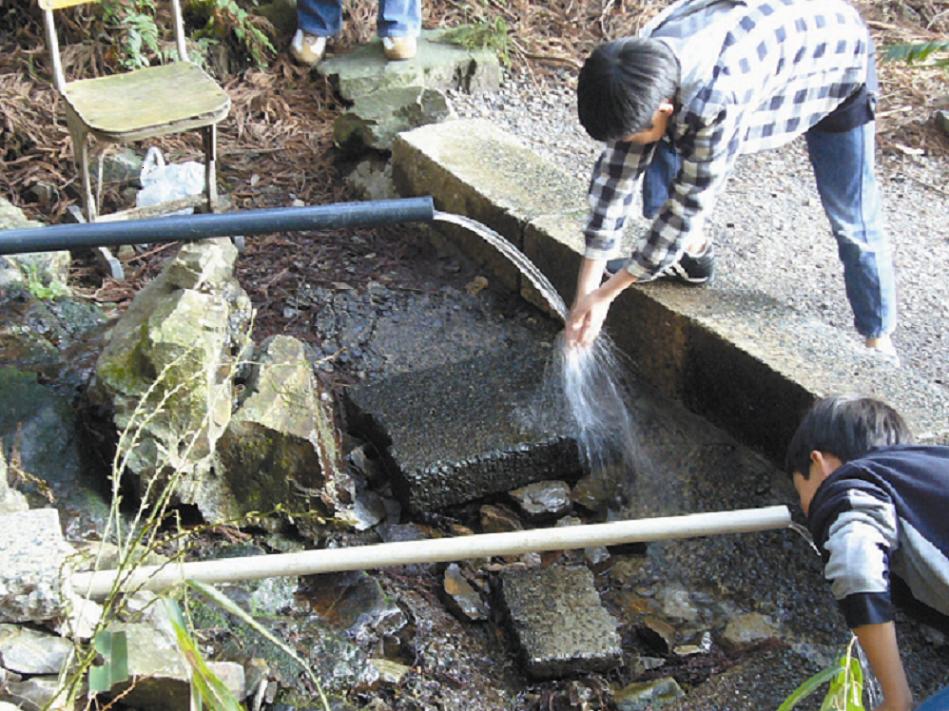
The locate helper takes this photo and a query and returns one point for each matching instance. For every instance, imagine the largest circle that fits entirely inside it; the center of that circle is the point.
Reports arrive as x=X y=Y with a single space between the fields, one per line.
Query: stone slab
x=438 y=65
x=455 y=433
x=471 y=167
x=559 y=622
x=738 y=357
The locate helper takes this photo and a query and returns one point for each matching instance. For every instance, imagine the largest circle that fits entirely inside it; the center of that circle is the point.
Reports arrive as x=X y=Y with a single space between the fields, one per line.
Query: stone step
x=439 y=64
x=738 y=357
x=559 y=622
x=457 y=433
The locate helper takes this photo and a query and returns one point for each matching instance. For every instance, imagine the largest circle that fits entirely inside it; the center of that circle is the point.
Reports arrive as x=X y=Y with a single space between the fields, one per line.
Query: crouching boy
x=878 y=509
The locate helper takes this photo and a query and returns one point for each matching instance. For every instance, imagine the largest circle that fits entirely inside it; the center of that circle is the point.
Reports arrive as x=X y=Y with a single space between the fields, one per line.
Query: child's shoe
x=695 y=269
x=398 y=48
x=307 y=49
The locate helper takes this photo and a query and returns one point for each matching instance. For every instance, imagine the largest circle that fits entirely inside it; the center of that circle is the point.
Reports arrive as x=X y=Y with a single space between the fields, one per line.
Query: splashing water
x=587 y=380
x=805 y=534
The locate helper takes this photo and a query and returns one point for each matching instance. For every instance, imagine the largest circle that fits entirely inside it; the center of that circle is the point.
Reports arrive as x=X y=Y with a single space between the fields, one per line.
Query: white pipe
x=436 y=550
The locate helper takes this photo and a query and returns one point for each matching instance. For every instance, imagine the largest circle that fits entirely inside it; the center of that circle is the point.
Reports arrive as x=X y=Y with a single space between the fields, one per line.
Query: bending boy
x=709 y=80
x=877 y=508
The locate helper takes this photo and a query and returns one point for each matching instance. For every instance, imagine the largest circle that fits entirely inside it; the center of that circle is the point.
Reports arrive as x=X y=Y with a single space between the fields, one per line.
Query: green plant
x=484 y=34
x=134 y=24
x=224 y=17
x=37 y=286
x=913 y=52
x=845 y=692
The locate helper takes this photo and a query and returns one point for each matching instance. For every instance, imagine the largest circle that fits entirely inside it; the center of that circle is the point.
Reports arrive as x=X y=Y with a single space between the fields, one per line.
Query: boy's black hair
x=846 y=426
x=622 y=84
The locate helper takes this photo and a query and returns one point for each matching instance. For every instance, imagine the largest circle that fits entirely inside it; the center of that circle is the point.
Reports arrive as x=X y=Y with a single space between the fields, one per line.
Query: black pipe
x=185 y=228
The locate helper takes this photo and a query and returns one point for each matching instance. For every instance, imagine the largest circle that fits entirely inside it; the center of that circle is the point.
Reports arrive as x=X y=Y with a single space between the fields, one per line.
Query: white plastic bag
x=162 y=182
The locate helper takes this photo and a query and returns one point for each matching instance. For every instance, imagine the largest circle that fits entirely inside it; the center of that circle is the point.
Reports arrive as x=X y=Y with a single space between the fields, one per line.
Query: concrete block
x=471 y=167
x=559 y=622
x=458 y=433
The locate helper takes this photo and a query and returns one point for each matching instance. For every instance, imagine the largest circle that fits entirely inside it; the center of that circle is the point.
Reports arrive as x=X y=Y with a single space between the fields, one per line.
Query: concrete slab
x=438 y=65
x=559 y=622
x=738 y=357
x=456 y=433
x=473 y=168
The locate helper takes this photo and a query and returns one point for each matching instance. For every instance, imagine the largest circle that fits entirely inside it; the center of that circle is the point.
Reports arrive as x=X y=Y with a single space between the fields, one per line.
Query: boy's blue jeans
x=324 y=18
x=843 y=166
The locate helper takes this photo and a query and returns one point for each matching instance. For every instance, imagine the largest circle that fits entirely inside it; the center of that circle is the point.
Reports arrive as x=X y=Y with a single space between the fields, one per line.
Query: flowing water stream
x=589 y=381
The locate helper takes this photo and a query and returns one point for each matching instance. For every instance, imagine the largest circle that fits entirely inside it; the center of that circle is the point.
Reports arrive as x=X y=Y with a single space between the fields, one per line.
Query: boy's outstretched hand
x=879 y=643
x=592 y=302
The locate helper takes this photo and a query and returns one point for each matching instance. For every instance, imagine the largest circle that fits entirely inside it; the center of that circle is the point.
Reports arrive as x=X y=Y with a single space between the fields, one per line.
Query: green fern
x=484 y=34
x=913 y=52
x=134 y=25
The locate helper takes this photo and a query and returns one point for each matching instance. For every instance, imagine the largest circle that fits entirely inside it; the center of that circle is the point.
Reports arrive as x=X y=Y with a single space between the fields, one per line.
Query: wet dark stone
x=559 y=622
x=498 y=519
x=658 y=634
x=543 y=500
x=458 y=433
x=462 y=599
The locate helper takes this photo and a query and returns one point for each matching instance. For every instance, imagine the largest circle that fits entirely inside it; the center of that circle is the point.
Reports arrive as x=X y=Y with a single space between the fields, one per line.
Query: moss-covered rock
x=167 y=372
x=281 y=448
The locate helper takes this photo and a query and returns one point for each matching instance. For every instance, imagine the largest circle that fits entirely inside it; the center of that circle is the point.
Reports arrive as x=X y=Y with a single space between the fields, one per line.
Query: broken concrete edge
x=738 y=357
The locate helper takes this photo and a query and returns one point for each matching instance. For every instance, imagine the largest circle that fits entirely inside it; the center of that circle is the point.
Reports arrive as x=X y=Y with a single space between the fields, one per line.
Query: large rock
x=40 y=268
x=374 y=119
x=26 y=651
x=31 y=563
x=167 y=372
x=458 y=433
x=438 y=65
x=281 y=447
x=559 y=622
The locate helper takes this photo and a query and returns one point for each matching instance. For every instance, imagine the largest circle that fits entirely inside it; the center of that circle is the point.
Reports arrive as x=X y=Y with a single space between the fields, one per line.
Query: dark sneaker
x=695 y=270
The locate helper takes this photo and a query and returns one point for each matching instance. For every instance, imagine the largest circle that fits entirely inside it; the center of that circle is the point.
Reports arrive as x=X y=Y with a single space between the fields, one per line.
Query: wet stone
x=543 y=500
x=462 y=599
x=498 y=519
x=26 y=651
x=559 y=622
x=658 y=634
x=462 y=432
x=749 y=631
x=354 y=603
x=648 y=695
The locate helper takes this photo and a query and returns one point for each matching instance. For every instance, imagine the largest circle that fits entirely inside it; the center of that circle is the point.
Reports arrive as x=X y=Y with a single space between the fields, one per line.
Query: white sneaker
x=307 y=49
x=883 y=347
x=399 y=47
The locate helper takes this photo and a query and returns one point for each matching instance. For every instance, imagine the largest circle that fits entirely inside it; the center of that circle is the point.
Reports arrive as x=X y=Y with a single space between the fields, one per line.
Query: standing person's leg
x=316 y=20
x=843 y=166
x=399 y=24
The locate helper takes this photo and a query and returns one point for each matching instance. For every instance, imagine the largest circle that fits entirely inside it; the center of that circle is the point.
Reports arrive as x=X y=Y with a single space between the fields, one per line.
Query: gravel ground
x=769 y=228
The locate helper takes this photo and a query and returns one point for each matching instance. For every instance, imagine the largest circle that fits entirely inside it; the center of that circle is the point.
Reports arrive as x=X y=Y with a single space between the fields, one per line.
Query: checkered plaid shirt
x=753 y=75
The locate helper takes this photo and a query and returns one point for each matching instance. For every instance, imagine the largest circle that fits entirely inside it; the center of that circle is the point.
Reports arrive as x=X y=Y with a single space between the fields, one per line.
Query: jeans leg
x=657 y=180
x=843 y=167
x=322 y=18
x=399 y=18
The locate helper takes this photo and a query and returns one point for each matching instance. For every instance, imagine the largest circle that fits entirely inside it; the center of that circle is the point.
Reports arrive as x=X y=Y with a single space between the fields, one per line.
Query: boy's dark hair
x=846 y=426
x=622 y=84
